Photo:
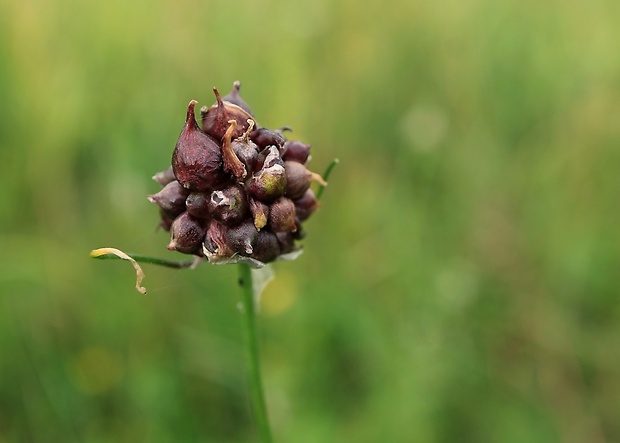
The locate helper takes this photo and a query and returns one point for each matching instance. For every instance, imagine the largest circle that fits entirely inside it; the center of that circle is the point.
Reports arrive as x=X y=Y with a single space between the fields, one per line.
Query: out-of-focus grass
x=459 y=284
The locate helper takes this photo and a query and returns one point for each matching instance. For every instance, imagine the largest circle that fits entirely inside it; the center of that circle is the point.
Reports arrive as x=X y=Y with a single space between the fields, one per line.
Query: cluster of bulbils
x=235 y=191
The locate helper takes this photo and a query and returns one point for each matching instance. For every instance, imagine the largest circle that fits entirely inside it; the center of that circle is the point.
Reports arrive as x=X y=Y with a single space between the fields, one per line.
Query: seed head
x=235 y=191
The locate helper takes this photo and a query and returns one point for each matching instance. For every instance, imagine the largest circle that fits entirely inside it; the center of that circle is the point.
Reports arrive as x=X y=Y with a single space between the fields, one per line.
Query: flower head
x=248 y=196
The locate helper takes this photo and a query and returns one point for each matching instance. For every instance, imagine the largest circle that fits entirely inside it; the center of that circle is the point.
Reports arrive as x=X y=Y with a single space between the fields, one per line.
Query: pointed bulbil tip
x=218 y=97
x=190 y=118
x=164 y=177
x=236 y=85
x=171 y=246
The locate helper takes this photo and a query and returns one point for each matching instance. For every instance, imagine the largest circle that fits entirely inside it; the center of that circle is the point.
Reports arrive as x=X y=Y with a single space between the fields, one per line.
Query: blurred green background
x=459 y=283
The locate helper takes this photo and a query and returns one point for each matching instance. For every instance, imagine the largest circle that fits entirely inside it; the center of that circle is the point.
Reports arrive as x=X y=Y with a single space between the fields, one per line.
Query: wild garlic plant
x=235 y=193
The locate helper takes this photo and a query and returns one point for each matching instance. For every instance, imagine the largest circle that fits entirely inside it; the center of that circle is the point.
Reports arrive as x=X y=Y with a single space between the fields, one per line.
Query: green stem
x=256 y=384
x=326 y=175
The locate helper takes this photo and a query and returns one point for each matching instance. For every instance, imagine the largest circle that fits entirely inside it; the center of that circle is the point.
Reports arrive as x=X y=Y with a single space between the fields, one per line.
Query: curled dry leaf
x=139 y=272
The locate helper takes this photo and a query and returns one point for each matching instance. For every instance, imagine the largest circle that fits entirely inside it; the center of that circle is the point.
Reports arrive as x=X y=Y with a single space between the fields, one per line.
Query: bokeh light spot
x=95 y=370
x=280 y=295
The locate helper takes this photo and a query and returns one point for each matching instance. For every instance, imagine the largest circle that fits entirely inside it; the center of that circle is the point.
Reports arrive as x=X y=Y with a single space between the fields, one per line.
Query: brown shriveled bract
x=232 y=163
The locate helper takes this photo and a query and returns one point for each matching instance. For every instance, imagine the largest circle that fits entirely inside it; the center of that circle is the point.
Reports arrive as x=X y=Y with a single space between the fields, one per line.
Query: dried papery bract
x=232 y=163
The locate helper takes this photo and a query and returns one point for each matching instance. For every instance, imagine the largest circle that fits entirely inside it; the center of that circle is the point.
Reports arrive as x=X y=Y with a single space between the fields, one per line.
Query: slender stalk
x=152 y=260
x=256 y=384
